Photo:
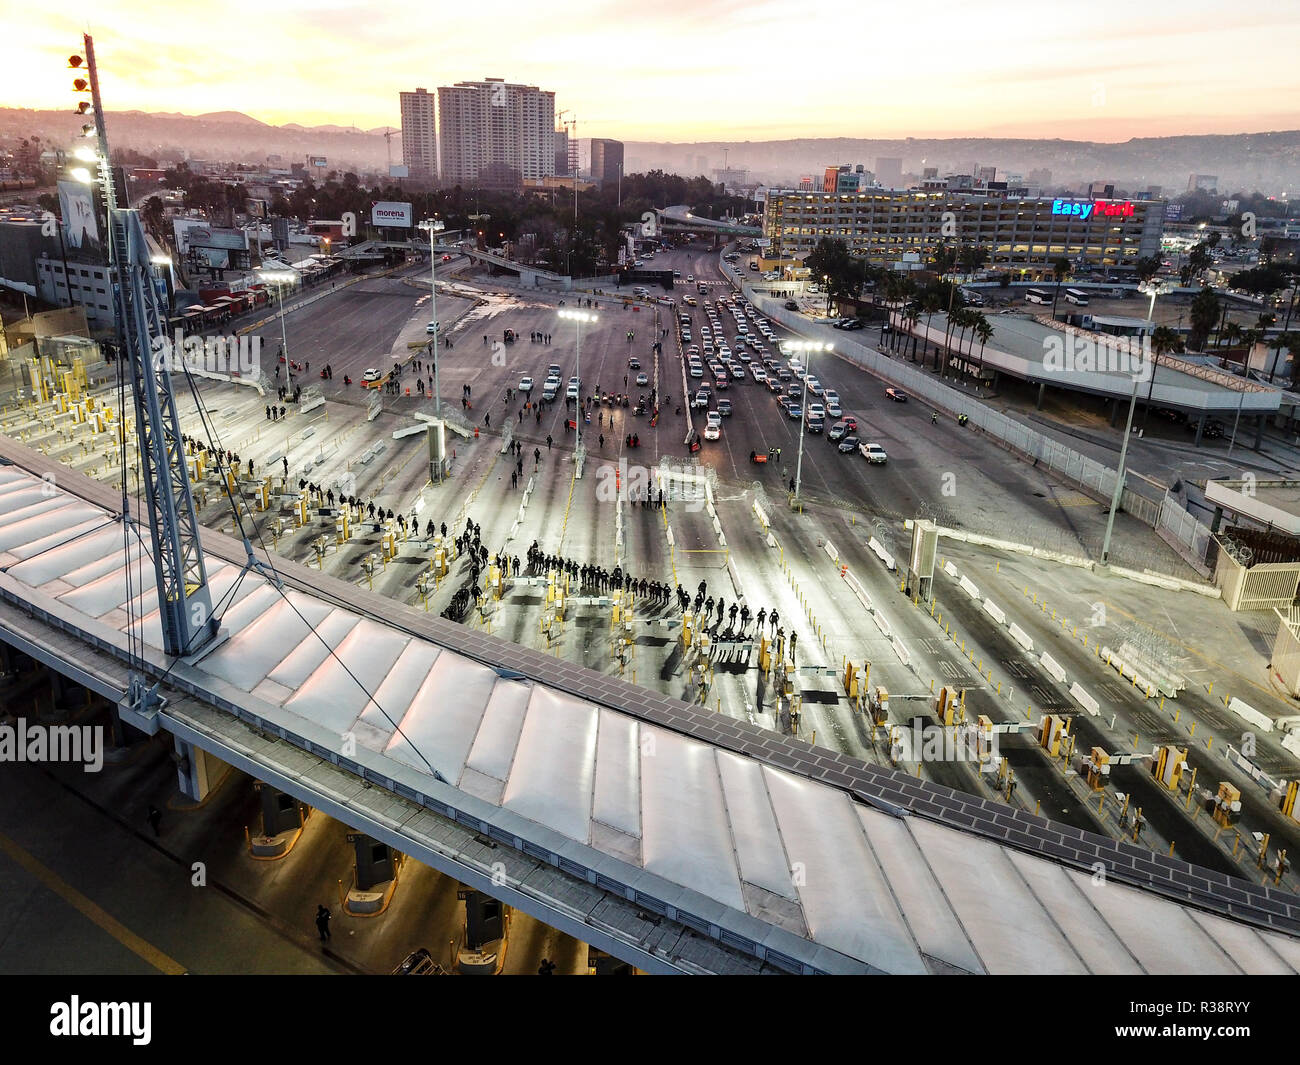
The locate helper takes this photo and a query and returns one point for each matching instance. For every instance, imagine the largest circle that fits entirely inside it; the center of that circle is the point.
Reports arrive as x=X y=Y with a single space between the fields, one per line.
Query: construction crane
x=388 y=143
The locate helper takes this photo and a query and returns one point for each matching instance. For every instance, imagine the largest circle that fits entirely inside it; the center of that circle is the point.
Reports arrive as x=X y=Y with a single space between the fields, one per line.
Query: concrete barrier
x=761 y=515
x=1292 y=743
x=1021 y=637
x=1052 y=666
x=995 y=612
x=882 y=624
x=860 y=592
x=1249 y=714
x=968 y=586
x=951 y=570
x=410 y=430
x=1084 y=699
x=901 y=650
x=881 y=553
x=829 y=548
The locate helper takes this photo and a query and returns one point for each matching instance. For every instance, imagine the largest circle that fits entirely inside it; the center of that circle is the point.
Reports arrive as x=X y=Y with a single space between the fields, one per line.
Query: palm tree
x=930 y=303
x=984 y=331
x=1061 y=270
x=1231 y=333
x=911 y=316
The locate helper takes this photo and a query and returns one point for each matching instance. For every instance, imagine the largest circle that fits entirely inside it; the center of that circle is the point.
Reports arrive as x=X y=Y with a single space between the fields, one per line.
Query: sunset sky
x=686 y=70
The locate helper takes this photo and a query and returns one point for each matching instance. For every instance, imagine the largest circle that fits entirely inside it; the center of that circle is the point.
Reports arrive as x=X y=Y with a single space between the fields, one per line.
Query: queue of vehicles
x=716 y=360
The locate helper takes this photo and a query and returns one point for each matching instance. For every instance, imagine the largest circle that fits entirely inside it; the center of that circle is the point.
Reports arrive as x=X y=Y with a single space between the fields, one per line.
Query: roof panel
x=846 y=899
x=757 y=840
x=926 y=908
x=685 y=836
x=616 y=800
x=551 y=779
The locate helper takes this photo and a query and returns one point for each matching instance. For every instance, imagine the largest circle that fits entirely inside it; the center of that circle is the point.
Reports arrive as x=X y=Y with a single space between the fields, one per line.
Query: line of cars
x=715 y=363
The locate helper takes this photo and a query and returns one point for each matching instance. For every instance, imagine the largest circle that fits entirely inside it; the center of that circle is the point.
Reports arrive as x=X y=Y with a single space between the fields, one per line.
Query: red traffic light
x=80 y=84
x=75 y=61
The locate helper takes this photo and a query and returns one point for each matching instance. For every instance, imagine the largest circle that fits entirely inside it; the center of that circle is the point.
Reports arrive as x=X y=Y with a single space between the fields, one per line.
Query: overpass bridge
x=682 y=218
x=674 y=838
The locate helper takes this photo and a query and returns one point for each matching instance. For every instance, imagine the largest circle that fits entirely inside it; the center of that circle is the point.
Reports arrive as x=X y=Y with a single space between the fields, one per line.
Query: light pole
x=280 y=278
x=808 y=346
x=577 y=318
x=826 y=283
x=434 y=226
x=1119 y=473
x=1153 y=289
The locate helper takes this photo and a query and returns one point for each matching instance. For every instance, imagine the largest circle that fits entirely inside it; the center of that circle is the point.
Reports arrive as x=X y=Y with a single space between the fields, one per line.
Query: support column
x=1200 y=428
x=1259 y=431
x=197 y=772
x=1114 y=413
x=1218 y=519
x=1042 y=390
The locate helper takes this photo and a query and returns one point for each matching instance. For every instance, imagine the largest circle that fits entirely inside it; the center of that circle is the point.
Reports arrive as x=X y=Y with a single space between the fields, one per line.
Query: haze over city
x=698 y=71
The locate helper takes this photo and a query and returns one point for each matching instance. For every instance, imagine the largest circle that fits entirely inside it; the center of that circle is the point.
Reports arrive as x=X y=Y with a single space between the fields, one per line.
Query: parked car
x=837 y=431
x=848 y=445
x=873 y=453
x=790 y=305
x=896 y=395
x=371 y=375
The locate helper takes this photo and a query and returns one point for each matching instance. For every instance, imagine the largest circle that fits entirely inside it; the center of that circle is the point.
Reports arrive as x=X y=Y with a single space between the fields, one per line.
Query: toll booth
x=1051 y=734
x=1097 y=769
x=879 y=705
x=486 y=929
x=1225 y=806
x=945 y=707
x=985 y=745
x=375 y=861
x=1167 y=765
x=281 y=812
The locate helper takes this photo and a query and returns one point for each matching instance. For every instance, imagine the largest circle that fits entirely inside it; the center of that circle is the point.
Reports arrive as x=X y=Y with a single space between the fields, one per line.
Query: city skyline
x=1048 y=76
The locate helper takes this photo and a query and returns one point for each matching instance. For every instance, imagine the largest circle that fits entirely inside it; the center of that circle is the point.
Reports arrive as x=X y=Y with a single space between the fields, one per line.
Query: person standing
x=323 y=916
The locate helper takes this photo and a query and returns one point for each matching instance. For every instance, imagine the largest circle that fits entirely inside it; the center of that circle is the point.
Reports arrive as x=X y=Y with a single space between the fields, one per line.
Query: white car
x=573 y=392
x=873 y=452
x=712 y=431
x=371 y=376
x=525 y=384
x=713 y=418
x=690 y=277
x=833 y=408
x=758 y=373
x=816 y=410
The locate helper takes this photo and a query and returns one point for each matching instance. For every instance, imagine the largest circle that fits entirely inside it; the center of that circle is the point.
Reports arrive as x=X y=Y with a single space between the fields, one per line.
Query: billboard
x=392 y=214
x=80 y=223
x=396 y=170
x=1173 y=212
x=211 y=237
x=315 y=160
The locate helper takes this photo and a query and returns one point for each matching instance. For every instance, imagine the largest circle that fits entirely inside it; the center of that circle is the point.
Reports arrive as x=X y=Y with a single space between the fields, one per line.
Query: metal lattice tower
x=184 y=598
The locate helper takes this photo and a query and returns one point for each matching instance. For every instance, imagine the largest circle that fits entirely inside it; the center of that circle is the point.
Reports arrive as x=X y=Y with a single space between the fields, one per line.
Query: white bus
x=1037 y=295
x=1077 y=296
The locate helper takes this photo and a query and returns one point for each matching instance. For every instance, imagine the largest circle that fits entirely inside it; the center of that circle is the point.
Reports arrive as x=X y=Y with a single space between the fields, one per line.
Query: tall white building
x=495 y=132
x=419 y=134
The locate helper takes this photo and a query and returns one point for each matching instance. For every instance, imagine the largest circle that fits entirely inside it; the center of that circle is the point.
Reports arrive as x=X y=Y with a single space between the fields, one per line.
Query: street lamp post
x=826 y=283
x=434 y=226
x=808 y=346
x=577 y=318
x=1119 y=474
x=1153 y=290
x=280 y=278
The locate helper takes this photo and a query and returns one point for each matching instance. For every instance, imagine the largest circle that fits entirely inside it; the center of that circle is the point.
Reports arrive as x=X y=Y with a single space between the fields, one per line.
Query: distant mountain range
x=1244 y=162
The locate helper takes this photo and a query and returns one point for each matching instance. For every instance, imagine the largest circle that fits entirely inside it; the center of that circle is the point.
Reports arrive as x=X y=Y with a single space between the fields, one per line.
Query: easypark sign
x=1095 y=209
